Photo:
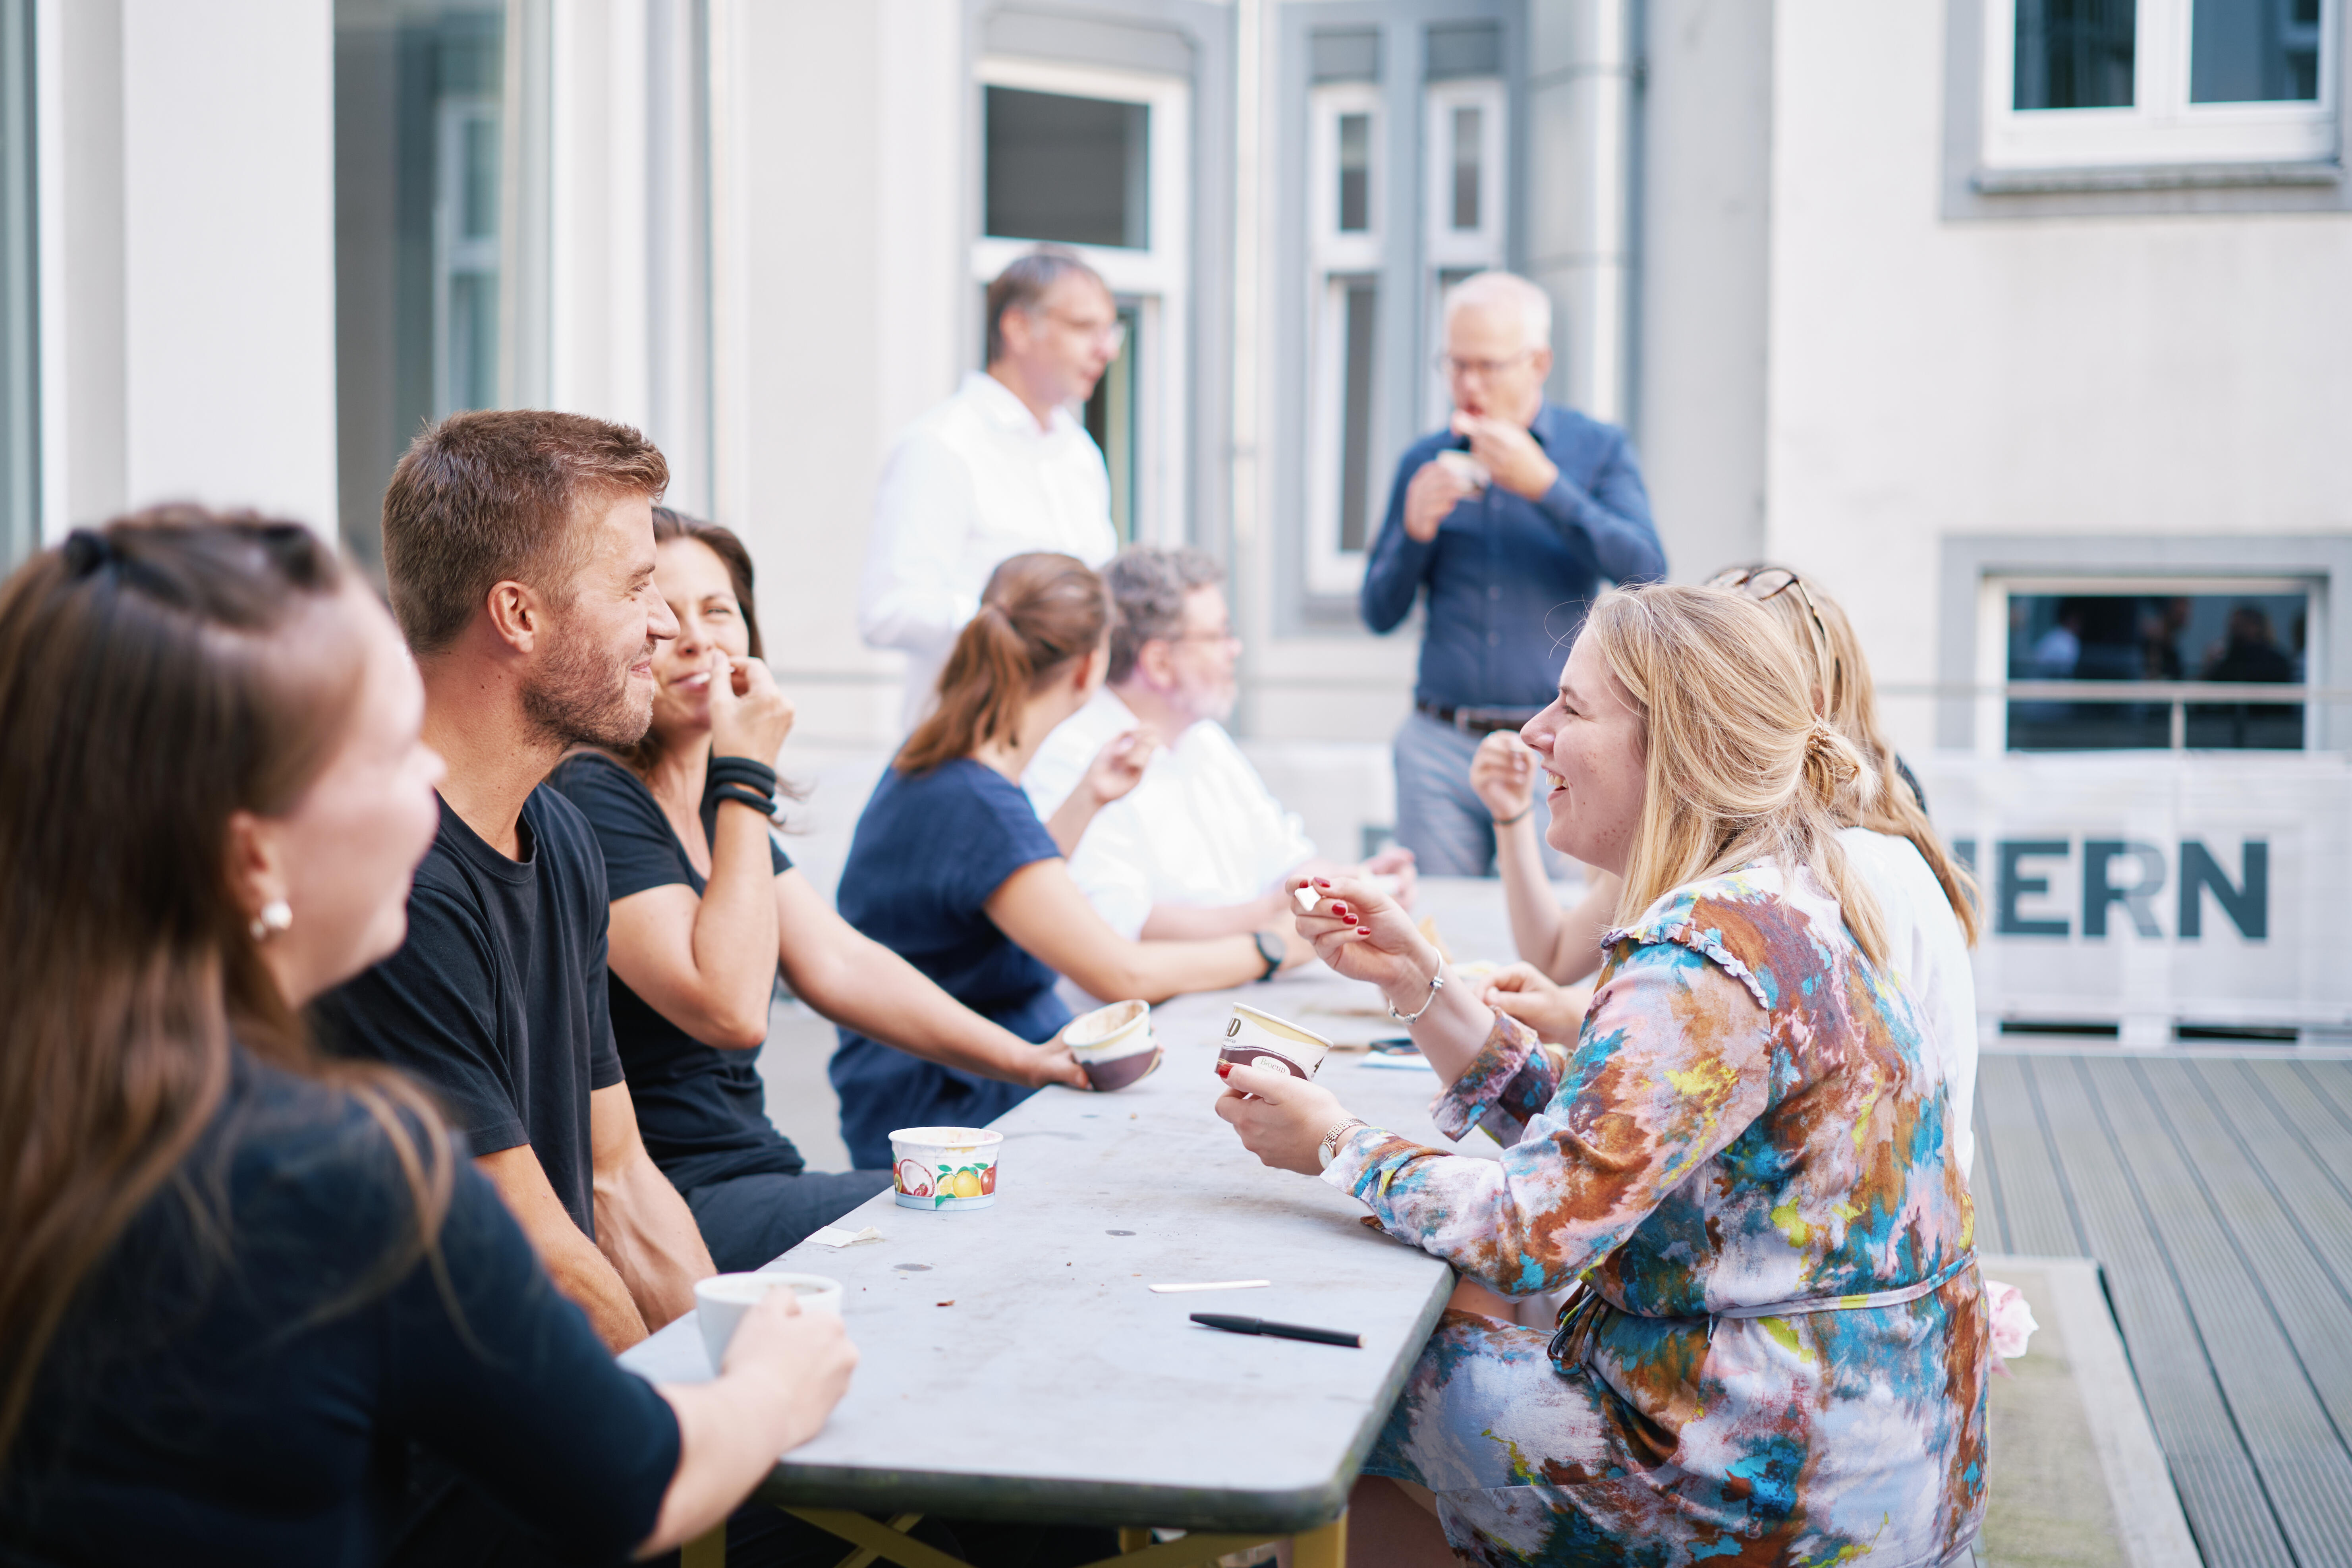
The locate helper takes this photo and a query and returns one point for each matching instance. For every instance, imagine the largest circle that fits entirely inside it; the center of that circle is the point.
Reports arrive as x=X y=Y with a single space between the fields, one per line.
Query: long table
x=1015 y=1365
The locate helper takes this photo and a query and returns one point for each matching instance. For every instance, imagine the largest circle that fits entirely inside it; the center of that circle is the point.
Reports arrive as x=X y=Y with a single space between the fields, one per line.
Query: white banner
x=2154 y=890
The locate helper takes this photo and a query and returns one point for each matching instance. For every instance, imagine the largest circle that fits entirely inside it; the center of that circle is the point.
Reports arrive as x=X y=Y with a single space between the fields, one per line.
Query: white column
x=1580 y=136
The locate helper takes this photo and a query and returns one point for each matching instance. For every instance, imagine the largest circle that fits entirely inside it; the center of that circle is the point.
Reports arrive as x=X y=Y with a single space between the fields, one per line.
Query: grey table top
x=1056 y=1385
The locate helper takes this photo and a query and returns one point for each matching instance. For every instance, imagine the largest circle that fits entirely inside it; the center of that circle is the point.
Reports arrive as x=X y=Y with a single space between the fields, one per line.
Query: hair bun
x=85 y=550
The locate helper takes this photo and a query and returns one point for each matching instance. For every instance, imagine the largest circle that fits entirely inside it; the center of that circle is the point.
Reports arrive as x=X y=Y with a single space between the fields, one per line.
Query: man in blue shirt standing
x=1511 y=517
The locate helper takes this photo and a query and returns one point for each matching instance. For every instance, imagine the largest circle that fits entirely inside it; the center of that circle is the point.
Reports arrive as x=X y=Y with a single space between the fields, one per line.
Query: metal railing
x=2177 y=696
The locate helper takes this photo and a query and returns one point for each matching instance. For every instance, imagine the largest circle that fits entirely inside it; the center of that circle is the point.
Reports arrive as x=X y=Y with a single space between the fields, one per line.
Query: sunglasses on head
x=1762 y=582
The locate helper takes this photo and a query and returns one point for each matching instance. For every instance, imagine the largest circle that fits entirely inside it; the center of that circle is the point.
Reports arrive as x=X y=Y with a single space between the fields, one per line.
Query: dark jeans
x=749 y=1222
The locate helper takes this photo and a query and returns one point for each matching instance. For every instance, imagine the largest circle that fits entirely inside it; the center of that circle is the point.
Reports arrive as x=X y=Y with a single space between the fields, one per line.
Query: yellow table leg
x=1322 y=1547
x=708 y=1550
x=1134 y=1540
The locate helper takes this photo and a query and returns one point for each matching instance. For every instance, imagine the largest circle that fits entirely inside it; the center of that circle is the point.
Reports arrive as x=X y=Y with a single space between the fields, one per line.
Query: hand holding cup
x=1281 y=1119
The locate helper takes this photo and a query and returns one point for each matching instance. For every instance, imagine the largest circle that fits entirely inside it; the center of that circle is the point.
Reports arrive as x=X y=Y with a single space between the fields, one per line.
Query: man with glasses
x=1511 y=517
x=1201 y=847
x=1002 y=468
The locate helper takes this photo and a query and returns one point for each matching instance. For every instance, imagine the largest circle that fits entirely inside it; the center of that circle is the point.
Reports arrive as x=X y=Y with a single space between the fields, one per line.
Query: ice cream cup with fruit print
x=944 y=1167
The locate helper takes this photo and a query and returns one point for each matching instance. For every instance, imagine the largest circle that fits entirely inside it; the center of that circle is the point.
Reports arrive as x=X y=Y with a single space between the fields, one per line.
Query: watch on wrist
x=1269 y=949
x=1328 y=1150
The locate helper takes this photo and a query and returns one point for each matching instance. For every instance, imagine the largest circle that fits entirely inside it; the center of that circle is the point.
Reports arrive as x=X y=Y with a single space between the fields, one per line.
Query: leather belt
x=1477 y=720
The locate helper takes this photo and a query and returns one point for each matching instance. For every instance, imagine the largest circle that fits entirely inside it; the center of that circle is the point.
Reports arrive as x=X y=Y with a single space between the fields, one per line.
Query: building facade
x=2020 y=326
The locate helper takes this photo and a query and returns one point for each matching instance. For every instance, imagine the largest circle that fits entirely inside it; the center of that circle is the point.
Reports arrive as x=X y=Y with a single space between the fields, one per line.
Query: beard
x=583 y=697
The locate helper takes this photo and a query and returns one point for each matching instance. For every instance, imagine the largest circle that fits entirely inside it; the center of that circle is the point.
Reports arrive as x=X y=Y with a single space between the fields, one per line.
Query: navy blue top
x=1509 y=580
x=497 y=999
x=238 y=1381
x=930 y=850
x=701 y=1110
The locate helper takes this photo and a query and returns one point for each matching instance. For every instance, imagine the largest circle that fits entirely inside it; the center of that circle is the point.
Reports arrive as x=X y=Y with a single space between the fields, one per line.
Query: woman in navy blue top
x=250 y=1302
x=706 y=907
x=951 y=868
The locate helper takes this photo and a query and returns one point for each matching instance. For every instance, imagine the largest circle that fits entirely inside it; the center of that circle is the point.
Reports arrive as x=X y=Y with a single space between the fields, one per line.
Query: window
x=2095 y=83
x=424 y=224
x=2156 y=664
x=1347 y=221
x=1095 y=160
x=1061 y=167
x=20 y=359
x=1463 y=206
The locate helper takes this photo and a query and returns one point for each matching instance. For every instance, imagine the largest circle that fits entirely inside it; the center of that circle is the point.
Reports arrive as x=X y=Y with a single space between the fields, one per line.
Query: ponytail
x=1039 y=612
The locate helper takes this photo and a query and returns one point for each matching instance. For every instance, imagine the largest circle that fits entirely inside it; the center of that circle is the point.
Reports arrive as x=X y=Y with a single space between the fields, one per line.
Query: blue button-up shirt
x=1509 y=579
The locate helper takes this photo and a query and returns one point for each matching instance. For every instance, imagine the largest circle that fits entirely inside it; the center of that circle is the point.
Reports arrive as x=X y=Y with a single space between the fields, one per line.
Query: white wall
x=228 y=301
x=839 y=307
x=2124 y=376
x=188 y=257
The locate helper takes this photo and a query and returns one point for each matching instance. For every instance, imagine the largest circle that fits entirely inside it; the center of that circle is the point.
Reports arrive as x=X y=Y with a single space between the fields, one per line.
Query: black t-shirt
x=243 y=1387
x=701 y=1110
x=497 y=1000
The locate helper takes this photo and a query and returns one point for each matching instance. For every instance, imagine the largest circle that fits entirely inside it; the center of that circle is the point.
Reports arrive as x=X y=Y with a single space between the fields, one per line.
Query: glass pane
x=1110 y=420
x=2075 y=53
x=20 y=443
x=1355 y=174
x=1360 y=309
x=2253 y=52
x=419 y=152
x=2249 y=638
x=1069 y=169
x=1467 y=136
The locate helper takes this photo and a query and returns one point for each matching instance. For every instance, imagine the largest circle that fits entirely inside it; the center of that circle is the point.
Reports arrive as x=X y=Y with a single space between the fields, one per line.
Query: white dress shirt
x=1200 y=829
x=1930 y=958
x=969 y=483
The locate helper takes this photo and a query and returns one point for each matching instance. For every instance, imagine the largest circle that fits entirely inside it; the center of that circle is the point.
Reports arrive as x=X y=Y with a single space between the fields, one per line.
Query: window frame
x=1335 y=259
x=1448 y=250
x=1156 y=279
x=1994 y=590
x=2161 y=126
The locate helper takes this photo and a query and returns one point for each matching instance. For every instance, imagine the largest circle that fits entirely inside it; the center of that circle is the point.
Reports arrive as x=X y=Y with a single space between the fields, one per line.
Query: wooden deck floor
x=2216 y=1194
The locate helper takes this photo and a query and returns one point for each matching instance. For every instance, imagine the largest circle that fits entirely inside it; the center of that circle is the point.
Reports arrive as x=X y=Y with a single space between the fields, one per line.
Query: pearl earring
x=275 y=916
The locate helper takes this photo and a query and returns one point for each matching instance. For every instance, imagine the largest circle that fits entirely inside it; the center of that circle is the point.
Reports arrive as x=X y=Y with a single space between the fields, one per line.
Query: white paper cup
x=1114 y=1043
x=945 y=1167
x=1255 y=1039
x=720 y=1301
x=1466 y=468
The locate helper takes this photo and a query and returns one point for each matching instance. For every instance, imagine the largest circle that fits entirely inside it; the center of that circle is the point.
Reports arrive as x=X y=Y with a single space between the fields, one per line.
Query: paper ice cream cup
x=944 y=1167
x=1114 y=1043
x=720 y=1301
x=1255 y=1039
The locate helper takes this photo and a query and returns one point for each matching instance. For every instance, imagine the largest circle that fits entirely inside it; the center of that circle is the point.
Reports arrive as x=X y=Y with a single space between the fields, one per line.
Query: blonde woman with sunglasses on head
x=1779 y=1352
x=1926 y=899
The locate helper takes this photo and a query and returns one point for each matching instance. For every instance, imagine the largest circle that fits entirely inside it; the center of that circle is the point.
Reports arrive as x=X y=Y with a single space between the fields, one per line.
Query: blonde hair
x=1848 y=699
x=1736 y=767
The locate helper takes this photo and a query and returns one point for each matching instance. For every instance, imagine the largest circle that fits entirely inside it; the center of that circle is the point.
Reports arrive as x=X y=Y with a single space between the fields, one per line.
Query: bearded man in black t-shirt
x=519 y=549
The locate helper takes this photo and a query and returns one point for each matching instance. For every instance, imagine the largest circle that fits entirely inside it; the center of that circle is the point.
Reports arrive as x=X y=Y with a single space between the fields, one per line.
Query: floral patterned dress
x=1780 y=1354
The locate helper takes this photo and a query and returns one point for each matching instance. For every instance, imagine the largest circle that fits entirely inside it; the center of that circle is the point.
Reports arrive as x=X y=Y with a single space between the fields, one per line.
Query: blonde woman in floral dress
x=1777 y=1354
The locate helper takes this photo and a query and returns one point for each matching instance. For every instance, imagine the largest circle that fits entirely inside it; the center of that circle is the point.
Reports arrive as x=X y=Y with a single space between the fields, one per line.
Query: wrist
x=1514 y=818
x=1413 y=992
x=1328 y=1150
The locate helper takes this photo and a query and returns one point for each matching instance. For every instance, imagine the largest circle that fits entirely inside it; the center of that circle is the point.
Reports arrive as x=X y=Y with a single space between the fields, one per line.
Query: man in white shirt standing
x=1200 y=847
x=1002 y=468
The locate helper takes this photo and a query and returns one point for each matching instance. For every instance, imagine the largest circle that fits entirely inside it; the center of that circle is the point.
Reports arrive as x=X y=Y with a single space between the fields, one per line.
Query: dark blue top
x=497 y=999
x=1509 y=580
x=930 y=851
x=701 y=1110
x=239 y=1380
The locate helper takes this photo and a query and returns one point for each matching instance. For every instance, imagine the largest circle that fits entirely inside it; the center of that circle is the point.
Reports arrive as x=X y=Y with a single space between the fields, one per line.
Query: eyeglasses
x=1225 y=635
x=1111 y=334
x=1762 y=582
x=1485 y=369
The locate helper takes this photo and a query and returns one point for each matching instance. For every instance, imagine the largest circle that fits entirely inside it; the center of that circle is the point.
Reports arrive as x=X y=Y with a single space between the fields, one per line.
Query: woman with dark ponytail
x=951 y=868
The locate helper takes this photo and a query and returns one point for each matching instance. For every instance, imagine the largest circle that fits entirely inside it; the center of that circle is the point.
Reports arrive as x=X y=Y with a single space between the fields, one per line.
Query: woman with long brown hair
x=951 y=869
x=238 y=1281
x=1777 y=1351
x=706 y=906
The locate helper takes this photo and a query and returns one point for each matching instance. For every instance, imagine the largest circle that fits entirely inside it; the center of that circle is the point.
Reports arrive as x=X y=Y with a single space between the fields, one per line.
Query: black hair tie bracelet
x=748 y=772
x=764 y=805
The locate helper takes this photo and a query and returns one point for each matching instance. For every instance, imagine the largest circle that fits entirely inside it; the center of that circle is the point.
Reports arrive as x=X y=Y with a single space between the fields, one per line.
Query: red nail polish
x=1321 y=883
x=1363 y=930
x=1225 y=1067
